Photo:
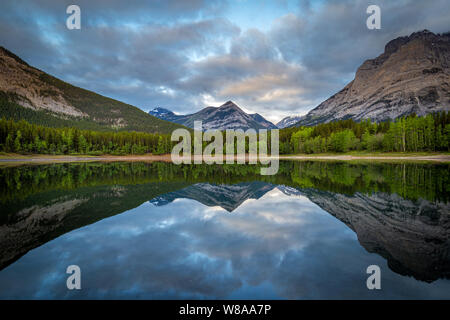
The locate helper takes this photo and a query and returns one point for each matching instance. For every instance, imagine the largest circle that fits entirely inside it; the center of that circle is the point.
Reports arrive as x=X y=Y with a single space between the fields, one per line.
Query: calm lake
x=162 y=231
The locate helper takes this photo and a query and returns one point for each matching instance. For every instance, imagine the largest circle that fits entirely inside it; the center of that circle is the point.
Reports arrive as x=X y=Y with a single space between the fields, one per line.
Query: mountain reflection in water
x=225 y=231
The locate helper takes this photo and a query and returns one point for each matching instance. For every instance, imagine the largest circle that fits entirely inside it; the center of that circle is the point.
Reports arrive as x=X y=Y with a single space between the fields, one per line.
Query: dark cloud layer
x=187 y=54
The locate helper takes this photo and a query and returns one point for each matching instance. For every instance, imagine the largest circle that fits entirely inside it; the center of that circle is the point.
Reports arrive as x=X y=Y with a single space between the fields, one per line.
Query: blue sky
x=276 y=58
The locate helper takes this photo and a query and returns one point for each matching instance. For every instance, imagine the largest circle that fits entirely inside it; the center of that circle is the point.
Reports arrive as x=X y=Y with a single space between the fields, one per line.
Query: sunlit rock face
x=15 y=73
x=414 y=237
x=411 y=76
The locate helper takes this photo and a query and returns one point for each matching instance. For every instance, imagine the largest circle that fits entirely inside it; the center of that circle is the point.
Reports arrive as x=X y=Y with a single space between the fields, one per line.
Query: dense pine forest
x=26 y=138
x=407 y=134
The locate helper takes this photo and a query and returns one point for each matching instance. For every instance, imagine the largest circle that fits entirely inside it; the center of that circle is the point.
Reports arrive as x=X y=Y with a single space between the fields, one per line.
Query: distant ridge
x=288 y=121
x=227 y=116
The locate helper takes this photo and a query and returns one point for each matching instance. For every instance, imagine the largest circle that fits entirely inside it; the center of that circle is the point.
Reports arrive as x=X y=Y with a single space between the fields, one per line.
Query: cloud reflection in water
x=274 y=247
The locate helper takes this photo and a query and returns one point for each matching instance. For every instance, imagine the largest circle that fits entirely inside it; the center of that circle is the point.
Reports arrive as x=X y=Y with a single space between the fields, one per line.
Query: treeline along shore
x=430 y=133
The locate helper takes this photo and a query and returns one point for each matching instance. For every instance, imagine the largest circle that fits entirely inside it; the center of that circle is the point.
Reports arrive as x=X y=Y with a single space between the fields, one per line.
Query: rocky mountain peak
x=424 y=35
x=230 y=105
x=411 y=76
x=159 y=111
x=228 y=116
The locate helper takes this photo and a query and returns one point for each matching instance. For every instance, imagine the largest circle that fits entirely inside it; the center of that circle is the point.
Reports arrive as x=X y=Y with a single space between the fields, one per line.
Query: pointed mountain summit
x=163 y=113
x=227 y=116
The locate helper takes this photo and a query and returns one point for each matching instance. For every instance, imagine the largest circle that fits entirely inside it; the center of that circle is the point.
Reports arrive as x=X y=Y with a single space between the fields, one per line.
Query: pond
x=163 y=231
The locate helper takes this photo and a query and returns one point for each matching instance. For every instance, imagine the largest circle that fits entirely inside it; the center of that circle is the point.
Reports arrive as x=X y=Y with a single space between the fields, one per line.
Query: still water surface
x=160 y=231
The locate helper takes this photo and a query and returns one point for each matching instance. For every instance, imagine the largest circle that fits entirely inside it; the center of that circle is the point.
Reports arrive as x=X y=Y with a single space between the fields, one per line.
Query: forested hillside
x=27 y=93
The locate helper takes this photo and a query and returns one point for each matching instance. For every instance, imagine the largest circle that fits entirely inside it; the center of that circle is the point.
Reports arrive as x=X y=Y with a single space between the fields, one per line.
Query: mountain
x=161 y=112
x=227 y=116
x=33 y=95
x=288 y=121
x=411 y=76
x=262 y=121
x=228 y=197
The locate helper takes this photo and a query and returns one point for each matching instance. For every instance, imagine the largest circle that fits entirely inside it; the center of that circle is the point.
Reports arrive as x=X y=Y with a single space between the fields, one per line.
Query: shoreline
x=13 y=158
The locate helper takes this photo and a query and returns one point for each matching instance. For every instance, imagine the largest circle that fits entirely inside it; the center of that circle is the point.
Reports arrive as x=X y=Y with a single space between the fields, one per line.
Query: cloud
x=184 y=54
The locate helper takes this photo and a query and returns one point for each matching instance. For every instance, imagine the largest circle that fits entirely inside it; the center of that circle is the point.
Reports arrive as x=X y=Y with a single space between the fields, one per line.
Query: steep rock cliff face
x=411 y=76
x=26 y=85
